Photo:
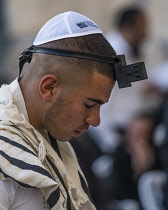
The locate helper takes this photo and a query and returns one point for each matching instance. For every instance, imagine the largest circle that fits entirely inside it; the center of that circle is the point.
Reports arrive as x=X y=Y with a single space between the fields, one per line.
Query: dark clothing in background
x=164 y=146
x=123 y=183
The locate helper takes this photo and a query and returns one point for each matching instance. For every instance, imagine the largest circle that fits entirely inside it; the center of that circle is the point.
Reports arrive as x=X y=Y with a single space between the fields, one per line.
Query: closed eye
x=89 y=106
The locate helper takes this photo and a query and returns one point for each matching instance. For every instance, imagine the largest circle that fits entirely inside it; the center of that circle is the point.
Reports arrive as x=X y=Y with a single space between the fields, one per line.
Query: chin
x=64 y=140
x=61 y=138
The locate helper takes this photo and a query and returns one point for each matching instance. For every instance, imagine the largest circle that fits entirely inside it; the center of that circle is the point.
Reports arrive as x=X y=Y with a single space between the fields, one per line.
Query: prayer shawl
x=27 y=157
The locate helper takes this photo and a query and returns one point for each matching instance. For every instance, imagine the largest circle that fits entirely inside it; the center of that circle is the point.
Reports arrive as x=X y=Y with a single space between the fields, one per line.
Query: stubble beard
x=52 y=121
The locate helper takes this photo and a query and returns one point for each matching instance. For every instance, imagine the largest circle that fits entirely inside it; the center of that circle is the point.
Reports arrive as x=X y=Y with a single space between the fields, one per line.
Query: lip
x=78 y=133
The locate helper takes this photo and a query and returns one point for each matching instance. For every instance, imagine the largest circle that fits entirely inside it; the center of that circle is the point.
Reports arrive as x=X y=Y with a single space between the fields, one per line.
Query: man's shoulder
x=13 y=141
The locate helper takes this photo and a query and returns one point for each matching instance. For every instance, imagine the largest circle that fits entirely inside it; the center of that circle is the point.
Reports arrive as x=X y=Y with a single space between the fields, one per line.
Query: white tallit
x=27 y=157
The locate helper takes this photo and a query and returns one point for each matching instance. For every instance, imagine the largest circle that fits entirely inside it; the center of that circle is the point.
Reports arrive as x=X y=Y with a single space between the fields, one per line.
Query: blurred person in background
x=131 y=31
x=158 y=88
x=136 y=155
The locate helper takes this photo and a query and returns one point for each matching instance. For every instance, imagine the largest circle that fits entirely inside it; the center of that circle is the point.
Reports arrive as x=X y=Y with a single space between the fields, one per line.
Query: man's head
x=133 y=24
x=64 y=95
x=141 y=128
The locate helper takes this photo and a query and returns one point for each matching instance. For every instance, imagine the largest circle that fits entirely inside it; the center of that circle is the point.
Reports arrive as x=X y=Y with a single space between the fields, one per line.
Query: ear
x=49 y=87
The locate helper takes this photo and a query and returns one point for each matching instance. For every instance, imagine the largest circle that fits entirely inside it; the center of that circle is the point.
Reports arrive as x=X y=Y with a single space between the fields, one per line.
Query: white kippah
x=66 y=25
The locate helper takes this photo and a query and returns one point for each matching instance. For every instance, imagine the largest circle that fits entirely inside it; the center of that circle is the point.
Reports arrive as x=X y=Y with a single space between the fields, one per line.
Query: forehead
x=97 y=87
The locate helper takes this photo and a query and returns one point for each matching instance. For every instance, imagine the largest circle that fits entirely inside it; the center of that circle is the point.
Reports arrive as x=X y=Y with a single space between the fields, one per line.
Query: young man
x=69 y=77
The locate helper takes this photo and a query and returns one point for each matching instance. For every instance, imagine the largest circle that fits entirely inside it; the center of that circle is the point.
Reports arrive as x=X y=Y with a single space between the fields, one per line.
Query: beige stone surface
x=29 y=16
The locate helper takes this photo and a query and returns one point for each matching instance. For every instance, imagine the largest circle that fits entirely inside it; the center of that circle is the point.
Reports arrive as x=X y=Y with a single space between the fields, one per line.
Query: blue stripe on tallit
x=85 y=187
x=15 y=144
x=69 y=204
x=20 y=183
x=53 y=198
x=25 y=166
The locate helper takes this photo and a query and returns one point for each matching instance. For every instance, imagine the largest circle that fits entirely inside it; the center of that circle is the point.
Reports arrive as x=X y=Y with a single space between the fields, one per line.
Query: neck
x=33 y=108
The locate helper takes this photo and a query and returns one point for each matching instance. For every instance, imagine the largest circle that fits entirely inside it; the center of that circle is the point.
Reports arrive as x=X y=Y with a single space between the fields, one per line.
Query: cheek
x=66 y=115
x=73 y=115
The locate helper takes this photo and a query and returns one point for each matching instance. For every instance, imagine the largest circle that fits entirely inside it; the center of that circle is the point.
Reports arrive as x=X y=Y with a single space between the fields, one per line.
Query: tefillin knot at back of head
x=69 y=24
x=125 y=74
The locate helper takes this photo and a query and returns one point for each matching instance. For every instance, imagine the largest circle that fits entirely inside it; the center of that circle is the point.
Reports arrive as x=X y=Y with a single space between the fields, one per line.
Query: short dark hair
x=128 y=16
x=93 y=44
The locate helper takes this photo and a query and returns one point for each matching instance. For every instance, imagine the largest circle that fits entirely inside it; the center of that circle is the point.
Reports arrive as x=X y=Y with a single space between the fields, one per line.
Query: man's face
x=139 y=131
x=73 y=111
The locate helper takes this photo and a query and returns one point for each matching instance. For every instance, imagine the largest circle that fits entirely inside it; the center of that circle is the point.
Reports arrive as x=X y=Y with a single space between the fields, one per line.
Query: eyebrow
x=96 y=101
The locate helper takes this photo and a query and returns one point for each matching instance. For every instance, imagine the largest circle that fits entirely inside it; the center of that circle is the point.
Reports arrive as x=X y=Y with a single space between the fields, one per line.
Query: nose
x=93 y=118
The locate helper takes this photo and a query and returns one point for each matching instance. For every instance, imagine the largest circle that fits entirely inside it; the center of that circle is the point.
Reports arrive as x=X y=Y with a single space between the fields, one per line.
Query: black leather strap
x=74 y=54
x=125 y=74
x=26 y=55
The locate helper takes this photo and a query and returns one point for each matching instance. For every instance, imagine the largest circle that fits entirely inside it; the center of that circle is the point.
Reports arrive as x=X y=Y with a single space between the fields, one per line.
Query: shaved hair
x=69 y=69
